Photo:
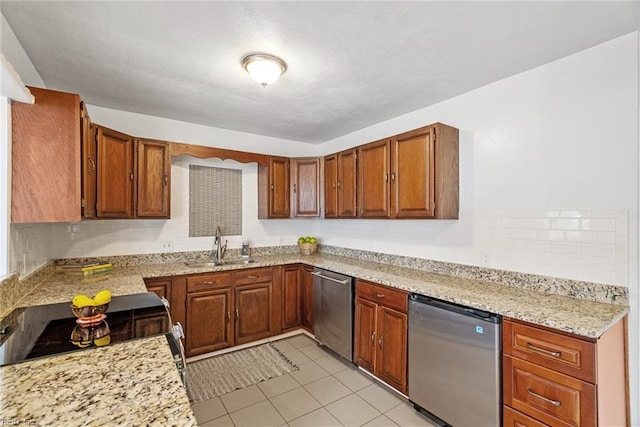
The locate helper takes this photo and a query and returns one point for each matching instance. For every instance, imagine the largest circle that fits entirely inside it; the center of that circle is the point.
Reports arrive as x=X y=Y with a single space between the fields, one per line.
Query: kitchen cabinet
x=307 y=297
x=174 y=290
x=373 y=180
x=273 y=189
x=305 y=187
x=209 y=305
x=45 y=158
x=331 y=186
x=380 y=332
x=154 y=175
x=346 y=183
x=291 y=297
x=89 y=157
x=253 y=304
x=555 y=378
x=133 y=176
x=424 y=173
x=115 y=175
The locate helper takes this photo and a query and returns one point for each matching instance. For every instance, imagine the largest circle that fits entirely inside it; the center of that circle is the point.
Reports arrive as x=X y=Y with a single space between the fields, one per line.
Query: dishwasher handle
x=460 y=309
x=322 y=276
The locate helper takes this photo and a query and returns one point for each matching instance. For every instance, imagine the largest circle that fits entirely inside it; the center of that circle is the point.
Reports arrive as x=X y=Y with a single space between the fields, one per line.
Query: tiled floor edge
x=598 y=292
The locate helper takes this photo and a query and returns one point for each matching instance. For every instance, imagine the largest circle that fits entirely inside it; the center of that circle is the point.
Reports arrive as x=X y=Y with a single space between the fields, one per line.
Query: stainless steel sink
x=219 y=263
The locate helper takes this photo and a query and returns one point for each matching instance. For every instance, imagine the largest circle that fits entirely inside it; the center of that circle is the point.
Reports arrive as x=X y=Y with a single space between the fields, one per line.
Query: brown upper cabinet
x=273 y=189
x=305 y=187
x=424 y=173
x=133 y=176
x=411 y=175
x=346 y=183
x=45 y=158
x=373 y=180
x=154 y=179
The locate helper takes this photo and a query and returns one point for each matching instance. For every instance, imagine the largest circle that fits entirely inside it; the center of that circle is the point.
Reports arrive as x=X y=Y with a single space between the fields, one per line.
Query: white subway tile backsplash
x=599 y=224
x=581 y=236
x=538 y=223
x=555 y=235
x=512 y=223
x=599 y=251
x=565 y=224
x=565 y=248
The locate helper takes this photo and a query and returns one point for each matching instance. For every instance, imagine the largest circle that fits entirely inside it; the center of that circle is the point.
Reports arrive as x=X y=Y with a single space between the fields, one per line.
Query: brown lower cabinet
x=558 y=379
x=291 y=296
x=228 y=308
x=381 y=332
x=307 y=298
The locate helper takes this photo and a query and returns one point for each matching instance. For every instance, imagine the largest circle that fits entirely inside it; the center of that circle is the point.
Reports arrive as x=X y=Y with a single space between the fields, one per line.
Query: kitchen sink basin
x=219 y=263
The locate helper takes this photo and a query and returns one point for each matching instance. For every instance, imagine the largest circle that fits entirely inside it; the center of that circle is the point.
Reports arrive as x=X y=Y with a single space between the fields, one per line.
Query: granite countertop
x=582 y=317
x=131 y=383
x=138 y=383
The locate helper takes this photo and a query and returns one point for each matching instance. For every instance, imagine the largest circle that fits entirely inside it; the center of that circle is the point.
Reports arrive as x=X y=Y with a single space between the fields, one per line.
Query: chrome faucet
x=220 y=249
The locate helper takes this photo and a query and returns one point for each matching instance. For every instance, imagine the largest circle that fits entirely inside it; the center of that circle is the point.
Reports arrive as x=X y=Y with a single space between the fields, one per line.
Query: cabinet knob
x=166 y=180
x=131 y=175
x=294 y=188
x=338 y=183
x=373 y=338
x=271 y=187
x=380 y=341
x=393 y=177
x=237 y=314
x=228 y=317
x=92 y=168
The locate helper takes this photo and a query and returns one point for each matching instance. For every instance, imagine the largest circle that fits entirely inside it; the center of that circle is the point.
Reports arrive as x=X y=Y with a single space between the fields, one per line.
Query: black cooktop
x=45 y=330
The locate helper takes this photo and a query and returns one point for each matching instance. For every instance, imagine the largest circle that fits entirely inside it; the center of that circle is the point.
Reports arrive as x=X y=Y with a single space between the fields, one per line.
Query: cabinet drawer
x=517 y=419
x=253 y=275
x=553 y=398
x=382 y=295
x=208 y=281
x=561 y=353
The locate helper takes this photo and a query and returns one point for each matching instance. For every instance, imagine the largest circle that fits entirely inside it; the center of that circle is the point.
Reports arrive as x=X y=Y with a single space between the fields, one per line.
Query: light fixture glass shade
x=263 y=68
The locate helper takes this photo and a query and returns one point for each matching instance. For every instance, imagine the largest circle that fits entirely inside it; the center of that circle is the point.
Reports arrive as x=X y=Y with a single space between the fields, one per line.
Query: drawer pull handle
x=553 y=402
x=542 y=350
x=208 y=282
x=377 y=295
x=252 y=276
x=237 y=314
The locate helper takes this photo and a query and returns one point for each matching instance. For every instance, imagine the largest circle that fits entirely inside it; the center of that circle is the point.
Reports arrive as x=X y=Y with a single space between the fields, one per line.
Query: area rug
x=208 y=378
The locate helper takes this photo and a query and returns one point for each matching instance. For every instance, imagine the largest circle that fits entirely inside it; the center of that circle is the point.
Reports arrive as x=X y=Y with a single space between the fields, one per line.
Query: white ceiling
x=351 y=64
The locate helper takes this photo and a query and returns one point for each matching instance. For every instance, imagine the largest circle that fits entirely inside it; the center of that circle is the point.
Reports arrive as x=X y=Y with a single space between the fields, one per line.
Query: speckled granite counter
x=132 y=383
x=579 y=316
x=129 y=394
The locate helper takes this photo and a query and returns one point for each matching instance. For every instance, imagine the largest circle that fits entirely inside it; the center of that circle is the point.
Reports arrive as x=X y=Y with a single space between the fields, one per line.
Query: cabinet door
x=208 y=321
x=279 y=187
x=413 y=175
x=154 y=175
x=365 y=334
x=89 y=165
x=373 y=180
x=331 y=186
x=161 y=287
x=307 y=298
x=116 y=174
x=305 y=191
x=391 y=358
x=253 y=312
x=45 y=158
x=291 y=297
x=346 y=184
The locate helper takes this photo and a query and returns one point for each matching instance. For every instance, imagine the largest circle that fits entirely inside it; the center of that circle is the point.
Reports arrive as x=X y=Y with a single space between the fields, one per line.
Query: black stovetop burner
x=46 y=330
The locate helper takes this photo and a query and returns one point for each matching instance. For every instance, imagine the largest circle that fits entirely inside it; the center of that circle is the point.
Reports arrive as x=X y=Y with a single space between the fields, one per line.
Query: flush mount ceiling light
x=264 y=68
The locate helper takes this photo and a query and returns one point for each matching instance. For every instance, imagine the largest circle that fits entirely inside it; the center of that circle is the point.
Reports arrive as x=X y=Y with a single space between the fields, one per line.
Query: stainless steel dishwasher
x=454 y=363
x=333 y=311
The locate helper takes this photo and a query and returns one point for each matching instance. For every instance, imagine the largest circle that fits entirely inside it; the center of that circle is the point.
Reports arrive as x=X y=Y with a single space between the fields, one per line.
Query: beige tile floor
x=324 y=392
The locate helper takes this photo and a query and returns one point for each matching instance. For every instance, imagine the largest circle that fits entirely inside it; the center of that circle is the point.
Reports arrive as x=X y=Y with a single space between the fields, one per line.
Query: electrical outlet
x=485 y=258
x=166 y=245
